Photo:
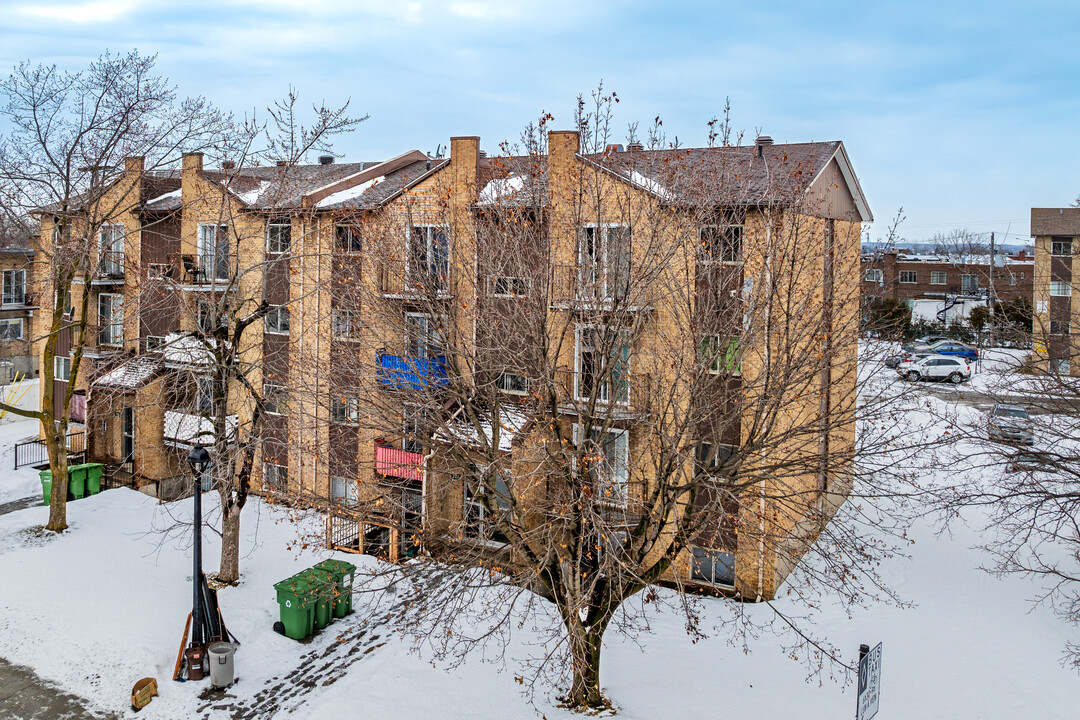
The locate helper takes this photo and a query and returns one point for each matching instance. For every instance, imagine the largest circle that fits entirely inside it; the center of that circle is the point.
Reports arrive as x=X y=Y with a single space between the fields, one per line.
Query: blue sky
x=966 y=114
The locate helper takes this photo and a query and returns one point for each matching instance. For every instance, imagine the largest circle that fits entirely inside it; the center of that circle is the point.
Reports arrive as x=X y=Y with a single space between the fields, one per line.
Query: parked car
x=930 y=339
x=1010 y=423
x=959 y=349
x=1031 y=461
x=935 y=367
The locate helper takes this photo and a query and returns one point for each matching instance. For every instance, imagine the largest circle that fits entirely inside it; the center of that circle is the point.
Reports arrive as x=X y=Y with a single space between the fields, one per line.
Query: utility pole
x=993 y=291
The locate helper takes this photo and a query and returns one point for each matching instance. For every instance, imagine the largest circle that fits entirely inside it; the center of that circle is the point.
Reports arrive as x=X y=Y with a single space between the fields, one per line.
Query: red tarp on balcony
x=399 y=463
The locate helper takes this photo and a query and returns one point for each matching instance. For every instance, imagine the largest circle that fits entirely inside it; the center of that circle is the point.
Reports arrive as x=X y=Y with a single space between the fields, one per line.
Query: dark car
x=1031 y=461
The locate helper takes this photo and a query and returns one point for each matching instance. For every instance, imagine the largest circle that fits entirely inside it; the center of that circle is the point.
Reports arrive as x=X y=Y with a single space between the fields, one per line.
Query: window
x=14 y=287
x=604 y=261
x=909 y=276
x=275 y=399
x=1058 y=327
x=1023 y=276
x=607 y=460
x=713 y=462
x=721 y=354
x=969 y=283
x=722 y=243
x=111 y=246
x=422 y=339
x=154 y=343
x=11 y=329
x=213 y=252
x=347 y=238
x=603 y=363
x=110 y=319
x=938 y=278
x=343 y=491
x=206 y=318
x=478 y=522
x=159 y=271
x=1059 y=288
x=715 y=567
x=429 y=256
x=513 y=384
x=412 y=430
x=62 y=368
x=345 y=409
x=277 y=321
x=275 y=477
x=1059 y=365
x=873 y=275
x=278 y=238
x=506 y=286
x=1061 y=247
x=64 y=296
x=204 y=394
x=346 y=324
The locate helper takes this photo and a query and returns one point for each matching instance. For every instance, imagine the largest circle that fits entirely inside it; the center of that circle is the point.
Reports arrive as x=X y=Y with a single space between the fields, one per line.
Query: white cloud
x=86 y=12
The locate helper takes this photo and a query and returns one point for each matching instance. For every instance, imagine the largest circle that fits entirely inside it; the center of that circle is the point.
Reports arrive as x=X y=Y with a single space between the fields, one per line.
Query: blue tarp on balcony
x=412 y=372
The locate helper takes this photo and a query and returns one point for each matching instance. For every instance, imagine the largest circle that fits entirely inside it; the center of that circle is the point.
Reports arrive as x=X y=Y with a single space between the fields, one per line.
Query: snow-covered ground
x=24 y=482
x=104 y=605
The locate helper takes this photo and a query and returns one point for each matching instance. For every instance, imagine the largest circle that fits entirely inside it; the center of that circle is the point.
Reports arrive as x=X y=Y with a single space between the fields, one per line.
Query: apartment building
x=440 y=339
x=1056 y=232
x=18 y=268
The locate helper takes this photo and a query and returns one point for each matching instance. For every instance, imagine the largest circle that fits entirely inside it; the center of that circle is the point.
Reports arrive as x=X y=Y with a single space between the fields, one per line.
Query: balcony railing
x=425 y=280
x=635 y=393
x=111 y=265
x=206 y=269
x=399 y=463
x=592 y=286
x=412 y=372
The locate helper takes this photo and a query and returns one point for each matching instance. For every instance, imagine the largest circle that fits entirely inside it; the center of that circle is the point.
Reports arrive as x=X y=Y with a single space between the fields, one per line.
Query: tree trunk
x=585 y=646
x=229 y=571
x=57 y=447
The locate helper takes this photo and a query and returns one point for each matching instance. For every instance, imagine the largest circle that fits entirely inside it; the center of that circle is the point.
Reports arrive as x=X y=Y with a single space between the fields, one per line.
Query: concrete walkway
x=25 y=696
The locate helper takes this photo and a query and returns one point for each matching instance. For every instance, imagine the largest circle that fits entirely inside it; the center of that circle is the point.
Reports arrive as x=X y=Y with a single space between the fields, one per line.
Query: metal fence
x=34 y=452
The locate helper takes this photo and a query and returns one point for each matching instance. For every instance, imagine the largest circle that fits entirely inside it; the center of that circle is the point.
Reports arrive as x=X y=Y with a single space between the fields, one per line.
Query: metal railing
x=111 y=264
x=428 y=279
x=35 y=452
x=574 y=284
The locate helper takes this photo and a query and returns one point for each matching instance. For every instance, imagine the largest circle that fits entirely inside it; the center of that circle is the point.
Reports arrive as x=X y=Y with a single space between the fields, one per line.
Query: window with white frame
x=937 y=277
x=64 y=296
x=1059 y=288
x=347 y=238
x=344 y=491
x=422 y=338
x=275 y=399
x=345 y=324
x=14 y=287
x=110 y=319
x=873 y=275
x=604 y=261
x=909 y=276
x=603 y=362
x=969 y=283
x=722 y=242
x=512 y=384
x=159 y=271
x=412 y=429
x=478 y=521
x=713 y=567
x=62 y=368
x=277 y=320
x=508 y=286
x=345 y=409
x=1061 y=246
x=111 y=247
x=11 y=329
x=429 y=256
x=278 y=237
x=154 y=343
x=607 y=459
x=275 y=477
x=213 y=247
x=721 y=354
x=204 y=393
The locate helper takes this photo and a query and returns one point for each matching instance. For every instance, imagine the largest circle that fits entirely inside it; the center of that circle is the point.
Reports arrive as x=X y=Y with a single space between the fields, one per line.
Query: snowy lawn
x=24 y=482
x=104 y=604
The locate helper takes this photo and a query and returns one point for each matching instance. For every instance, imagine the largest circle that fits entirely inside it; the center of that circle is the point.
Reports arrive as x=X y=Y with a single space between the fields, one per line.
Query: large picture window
x=429 y=257
x=604 y=261
x=607 y=458
x=480 y=523
x=713 y=567
x=110 y=319
x=213 y=252
x=603 y=362
x=111 y=247
x=278 y=238
x=14 y=287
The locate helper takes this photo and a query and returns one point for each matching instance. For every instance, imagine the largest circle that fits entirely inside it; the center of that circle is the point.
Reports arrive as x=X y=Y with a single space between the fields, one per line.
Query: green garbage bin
x=325 y=589
x=93 y=478
x=46 y=484
x=343 y=574
x=296 y=603
x=77 y=481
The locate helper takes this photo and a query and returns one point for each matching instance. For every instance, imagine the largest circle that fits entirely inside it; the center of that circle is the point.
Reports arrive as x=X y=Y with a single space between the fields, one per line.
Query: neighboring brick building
x=1057 y=235
x=18 y=268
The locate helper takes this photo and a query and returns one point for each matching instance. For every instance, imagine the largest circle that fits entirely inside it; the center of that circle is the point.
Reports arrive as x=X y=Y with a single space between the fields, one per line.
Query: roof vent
x=613 y=148
x=635 y=146
x=282 y=163
x=483 y=153
x=326 y=159
x=763 y=140
x=228 y=165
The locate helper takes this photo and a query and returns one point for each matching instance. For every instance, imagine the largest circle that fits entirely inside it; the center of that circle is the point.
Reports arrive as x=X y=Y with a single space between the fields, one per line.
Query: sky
x=965 y=114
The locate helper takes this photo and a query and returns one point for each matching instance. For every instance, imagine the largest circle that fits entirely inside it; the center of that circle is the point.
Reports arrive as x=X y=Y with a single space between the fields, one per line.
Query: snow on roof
x=183 y=430
x=167 y=196
x=131 y=375
x=250 y=197
x=500 y=188
x=186 y=349
x=511 y=423
x=349 y=194
x=650 y=185
x=1000 y=260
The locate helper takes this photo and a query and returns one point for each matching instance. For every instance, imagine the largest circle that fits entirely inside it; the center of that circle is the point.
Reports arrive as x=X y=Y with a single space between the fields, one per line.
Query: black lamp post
x=199 y=459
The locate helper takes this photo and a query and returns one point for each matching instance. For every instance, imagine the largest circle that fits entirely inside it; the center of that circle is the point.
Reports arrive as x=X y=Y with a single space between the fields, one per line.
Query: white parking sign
x=869 y=684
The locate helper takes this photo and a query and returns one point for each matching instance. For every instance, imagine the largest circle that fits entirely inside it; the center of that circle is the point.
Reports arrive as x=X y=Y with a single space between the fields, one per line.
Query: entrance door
x=128 y=437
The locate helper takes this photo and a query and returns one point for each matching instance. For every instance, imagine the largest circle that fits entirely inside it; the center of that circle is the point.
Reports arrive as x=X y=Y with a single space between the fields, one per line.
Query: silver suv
x=1010 y=424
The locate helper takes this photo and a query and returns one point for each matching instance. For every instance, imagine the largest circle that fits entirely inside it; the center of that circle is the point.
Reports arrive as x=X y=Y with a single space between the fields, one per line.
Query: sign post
x=869 y=682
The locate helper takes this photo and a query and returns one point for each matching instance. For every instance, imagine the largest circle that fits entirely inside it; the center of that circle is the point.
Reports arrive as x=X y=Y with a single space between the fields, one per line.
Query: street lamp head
x=198 y=458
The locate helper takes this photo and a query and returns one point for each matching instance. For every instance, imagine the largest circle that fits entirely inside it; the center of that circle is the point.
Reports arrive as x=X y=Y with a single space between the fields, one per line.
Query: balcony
x=429 y=280
x=110 y=268
x=392 y=462
x=207 y=269
x=411 y=372
x=573 y=287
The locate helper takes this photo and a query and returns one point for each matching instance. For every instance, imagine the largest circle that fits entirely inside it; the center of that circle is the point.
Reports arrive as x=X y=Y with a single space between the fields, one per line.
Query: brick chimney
x=563 y=178
x=465 y=165
x=135 y=164
x=192 y=163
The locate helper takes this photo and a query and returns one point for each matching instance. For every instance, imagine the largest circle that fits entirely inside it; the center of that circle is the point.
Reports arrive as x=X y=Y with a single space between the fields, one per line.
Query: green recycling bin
x=77 y=481
x=46 y=484
x=296 y=602
x=325 y=587
x=343 y=574
x=93 y=478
